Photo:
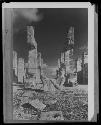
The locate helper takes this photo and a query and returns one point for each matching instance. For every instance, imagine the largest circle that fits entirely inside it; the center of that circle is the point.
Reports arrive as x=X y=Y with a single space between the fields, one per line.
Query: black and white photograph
x=47 y=58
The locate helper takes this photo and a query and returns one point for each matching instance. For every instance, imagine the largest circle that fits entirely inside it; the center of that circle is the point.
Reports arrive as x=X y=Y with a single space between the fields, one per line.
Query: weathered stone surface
x=37 y=104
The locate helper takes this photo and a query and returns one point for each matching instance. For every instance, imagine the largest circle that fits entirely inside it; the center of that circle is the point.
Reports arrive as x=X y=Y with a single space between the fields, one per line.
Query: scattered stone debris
x=52 y=115
x=72 y=103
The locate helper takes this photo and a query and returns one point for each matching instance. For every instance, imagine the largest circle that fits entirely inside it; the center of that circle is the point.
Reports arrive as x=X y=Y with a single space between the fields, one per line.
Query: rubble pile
x=52 y=115
x=72 y=105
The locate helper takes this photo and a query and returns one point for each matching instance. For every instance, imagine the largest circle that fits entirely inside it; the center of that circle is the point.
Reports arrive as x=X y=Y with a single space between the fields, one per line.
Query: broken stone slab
x=37 y=104
x=55 y=84
x=52 y=115
x=27 y=94
x=24 y=100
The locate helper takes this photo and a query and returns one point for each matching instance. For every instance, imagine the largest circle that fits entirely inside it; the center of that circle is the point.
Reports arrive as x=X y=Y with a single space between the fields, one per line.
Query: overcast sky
x=50 y=30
